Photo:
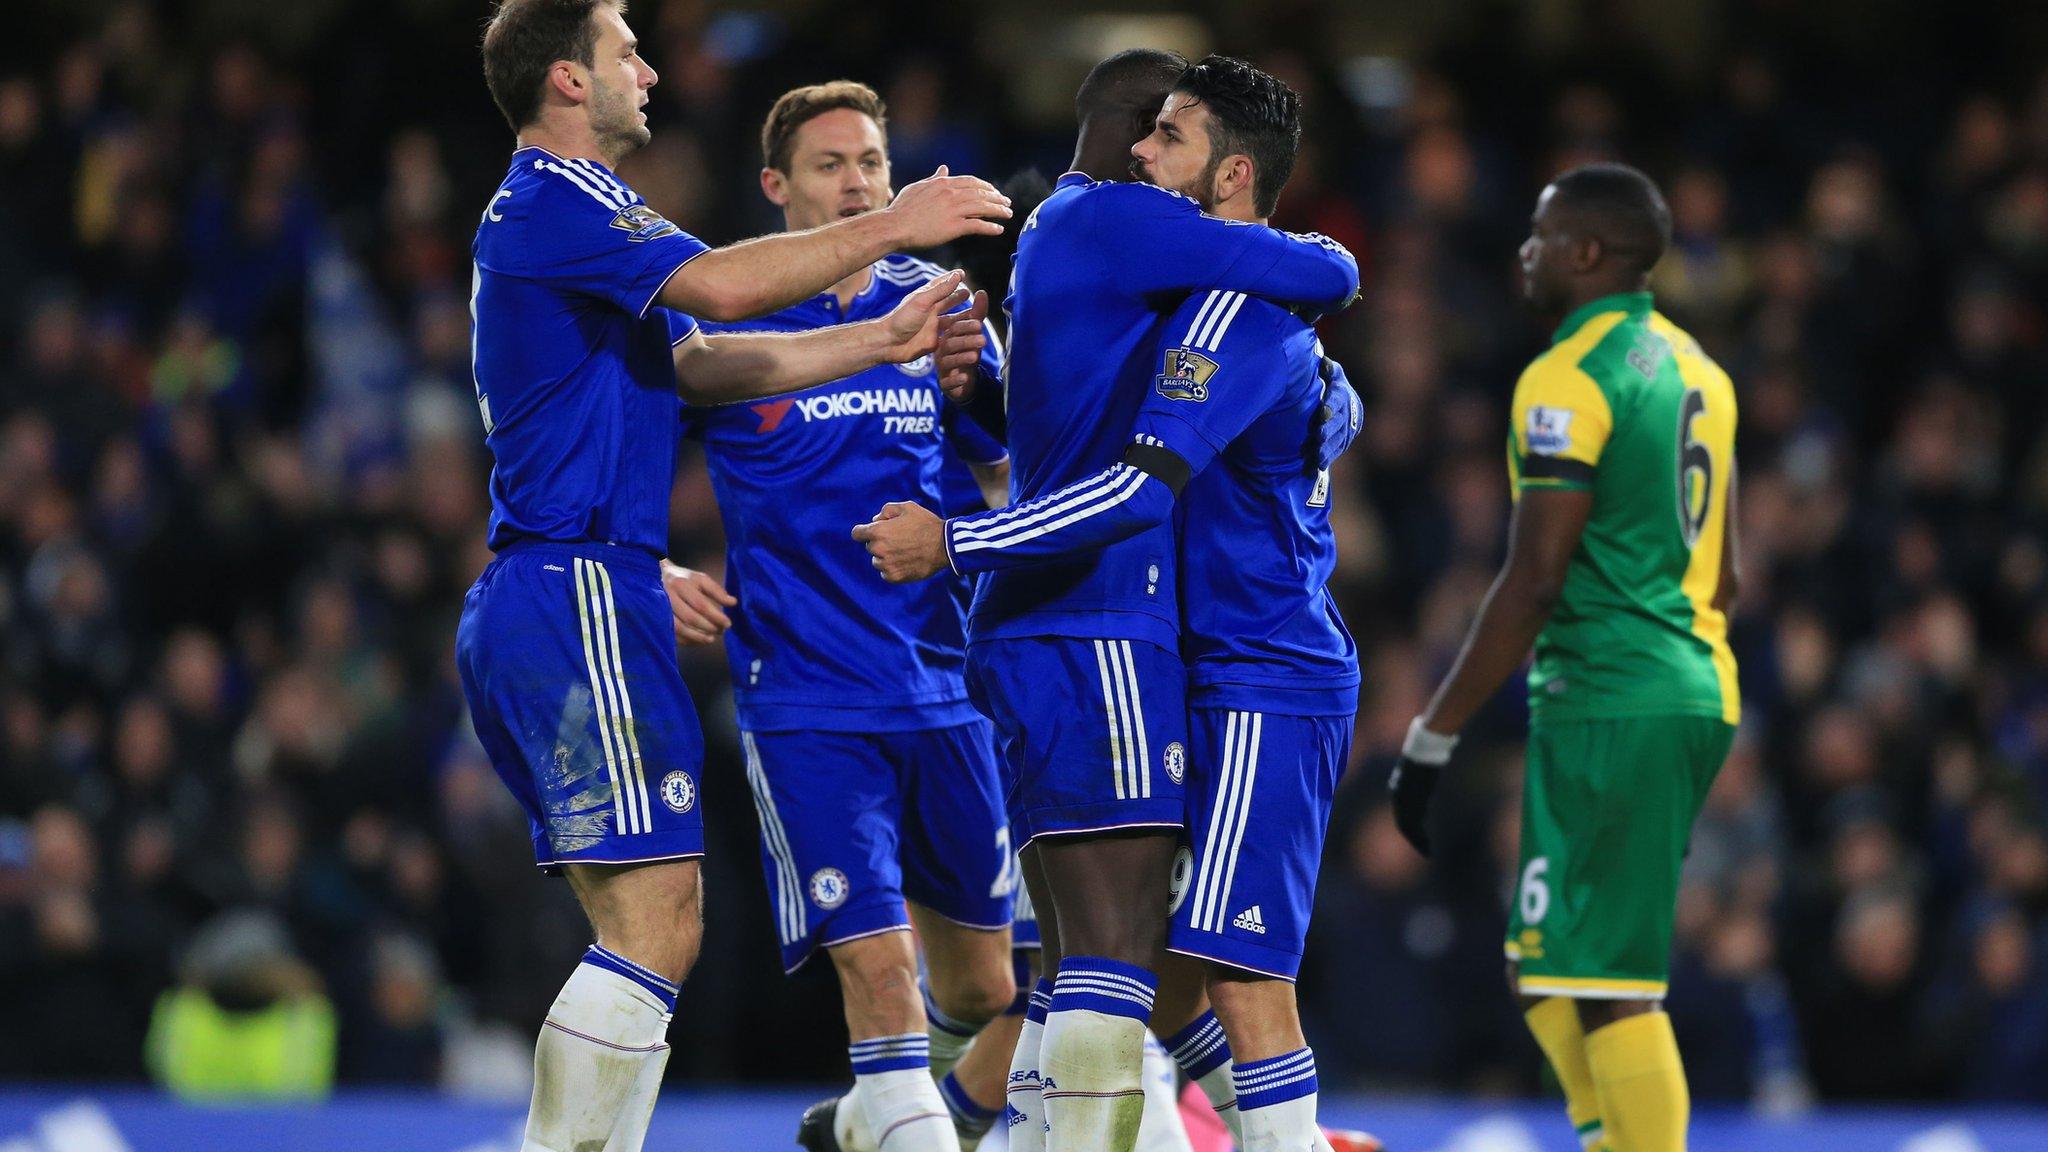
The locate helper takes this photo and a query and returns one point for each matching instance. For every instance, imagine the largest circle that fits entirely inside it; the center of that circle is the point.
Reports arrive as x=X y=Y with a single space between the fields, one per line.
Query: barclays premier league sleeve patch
x=1184 y=375
x=641 y=224
x=1550 y=430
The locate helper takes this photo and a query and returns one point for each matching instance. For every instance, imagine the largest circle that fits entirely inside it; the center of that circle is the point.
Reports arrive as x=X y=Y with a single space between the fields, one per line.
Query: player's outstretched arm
x=1541 y=539
x=906 y=543
x=756 y=277
x=735 y=366
x=1157 y=242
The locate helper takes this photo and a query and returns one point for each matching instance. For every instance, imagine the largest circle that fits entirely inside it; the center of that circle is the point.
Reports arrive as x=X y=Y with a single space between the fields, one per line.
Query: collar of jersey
x=1633 y=303
x=545 y=152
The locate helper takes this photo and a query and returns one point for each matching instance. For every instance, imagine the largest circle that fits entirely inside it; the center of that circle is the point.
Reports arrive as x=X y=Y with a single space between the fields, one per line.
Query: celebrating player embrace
x=1209 y=413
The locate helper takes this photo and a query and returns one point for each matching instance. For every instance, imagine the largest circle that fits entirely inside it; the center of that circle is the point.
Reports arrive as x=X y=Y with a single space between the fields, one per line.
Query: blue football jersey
x=1235 y=393
x=1098 y=265
x=574 y=370
x=819 y=640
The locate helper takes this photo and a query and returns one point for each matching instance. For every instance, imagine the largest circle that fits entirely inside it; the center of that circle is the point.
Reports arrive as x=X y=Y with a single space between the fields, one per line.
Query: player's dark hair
x=1622 y=207
x=525 y=38
x=1251 y=113
x=799 y=106
x=1132 y=82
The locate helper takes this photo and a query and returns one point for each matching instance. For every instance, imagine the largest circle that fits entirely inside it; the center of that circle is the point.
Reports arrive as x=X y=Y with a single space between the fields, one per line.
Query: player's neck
x=1099 y=158
x=564 y=141
x=852 y=286
x=1584 y=294
x=846 y=289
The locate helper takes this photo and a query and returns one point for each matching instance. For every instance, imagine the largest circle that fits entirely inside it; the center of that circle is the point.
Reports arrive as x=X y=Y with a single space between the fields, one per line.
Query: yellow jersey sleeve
x=1559 y=426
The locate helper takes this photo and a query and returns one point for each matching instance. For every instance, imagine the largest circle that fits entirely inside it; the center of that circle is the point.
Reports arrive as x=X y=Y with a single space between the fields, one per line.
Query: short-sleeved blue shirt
x=574 y=371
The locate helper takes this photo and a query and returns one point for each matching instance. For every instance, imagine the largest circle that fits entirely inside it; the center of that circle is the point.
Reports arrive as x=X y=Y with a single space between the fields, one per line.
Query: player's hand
x=1423 y=756
x=913 y=326
x=696 y=604
x=943 y=207
x=961 y=341
x=1340 y=417
x=905 y=542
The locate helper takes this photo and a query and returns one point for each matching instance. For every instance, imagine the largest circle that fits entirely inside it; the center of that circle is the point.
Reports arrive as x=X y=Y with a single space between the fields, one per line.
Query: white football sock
x=1093 y=1055
x=1204 y=1054
x=606 y=1027
x=1277 y=1099
x=950 y=1038
x=892 y=1078
x=1024 y=1111
x=1160 y=1130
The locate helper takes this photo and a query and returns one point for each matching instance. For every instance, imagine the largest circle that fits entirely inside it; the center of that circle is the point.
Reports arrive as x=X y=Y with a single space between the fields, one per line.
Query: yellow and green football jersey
x=1626 y=405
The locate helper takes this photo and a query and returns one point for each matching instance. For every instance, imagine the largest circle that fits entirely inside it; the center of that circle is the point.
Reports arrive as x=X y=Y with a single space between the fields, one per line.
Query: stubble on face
x=615 y=119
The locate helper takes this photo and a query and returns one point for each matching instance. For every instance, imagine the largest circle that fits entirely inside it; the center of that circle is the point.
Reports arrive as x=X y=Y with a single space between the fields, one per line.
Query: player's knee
x=877 y=969
x=977 y=996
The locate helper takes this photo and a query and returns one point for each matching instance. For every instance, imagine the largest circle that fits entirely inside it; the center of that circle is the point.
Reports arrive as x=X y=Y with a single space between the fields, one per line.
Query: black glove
x=1423 y=756
x=1412 y=785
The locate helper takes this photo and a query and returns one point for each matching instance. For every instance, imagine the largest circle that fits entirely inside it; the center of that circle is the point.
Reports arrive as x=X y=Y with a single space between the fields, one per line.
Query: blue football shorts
x=568 y=661
x=853 y=823
x=1092 y=734
x=1259 y=797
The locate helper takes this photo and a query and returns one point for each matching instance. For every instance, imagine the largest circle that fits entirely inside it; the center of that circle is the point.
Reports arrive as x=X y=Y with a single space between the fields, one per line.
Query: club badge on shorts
x=829 y=888
x=678 y=792
x=1176 y=762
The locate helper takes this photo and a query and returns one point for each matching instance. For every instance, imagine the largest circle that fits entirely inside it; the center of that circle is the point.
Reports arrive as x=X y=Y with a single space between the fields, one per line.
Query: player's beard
x=1202 y=189
x=615 y=120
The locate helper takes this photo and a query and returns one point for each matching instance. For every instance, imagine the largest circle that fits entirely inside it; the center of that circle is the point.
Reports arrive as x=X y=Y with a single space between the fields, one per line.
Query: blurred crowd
x=242 y=491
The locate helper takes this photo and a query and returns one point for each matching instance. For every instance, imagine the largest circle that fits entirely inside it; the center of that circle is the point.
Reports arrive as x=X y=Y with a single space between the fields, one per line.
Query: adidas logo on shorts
x=1250 y=920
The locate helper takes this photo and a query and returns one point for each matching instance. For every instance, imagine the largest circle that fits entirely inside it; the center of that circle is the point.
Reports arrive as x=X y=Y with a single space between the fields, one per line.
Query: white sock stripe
x=651 y=976
x=1115 y=485
x=1116 y=749
x=1264 y=1081
x=597 y=701
x=1201 y=1043
x=1133 y=983
x=1277 y=1065
x=576 y=178
x=1125 y=991
x=1000 y=519
x=1213 y=339
x=1113 y=994
x=1208 y=303
x=789 y=908
x=1144 y=768
x=1199 y=915
x=1249 y=1086
x=634 y=763
x=1244 y=810
x=908 y=1042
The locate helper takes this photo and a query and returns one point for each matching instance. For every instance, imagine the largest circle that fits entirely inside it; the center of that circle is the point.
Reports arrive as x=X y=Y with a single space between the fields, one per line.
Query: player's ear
x=775 y=186
x=1234 y=176
x=1587 y=253
x=566 y=78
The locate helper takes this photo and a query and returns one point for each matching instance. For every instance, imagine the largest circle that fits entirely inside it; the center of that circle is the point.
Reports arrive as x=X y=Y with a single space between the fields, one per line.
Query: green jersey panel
x=1626 y=405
